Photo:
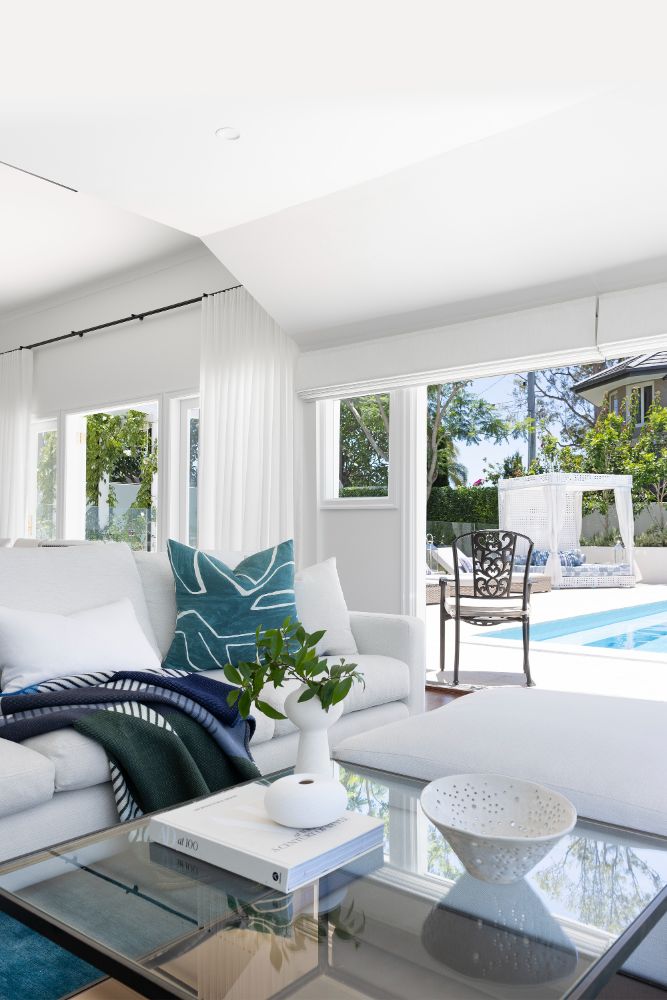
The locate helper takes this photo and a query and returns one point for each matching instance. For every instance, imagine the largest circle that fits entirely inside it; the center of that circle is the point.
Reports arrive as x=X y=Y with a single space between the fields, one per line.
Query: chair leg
x=526 y=643
x=442 y=638
x=457 y=647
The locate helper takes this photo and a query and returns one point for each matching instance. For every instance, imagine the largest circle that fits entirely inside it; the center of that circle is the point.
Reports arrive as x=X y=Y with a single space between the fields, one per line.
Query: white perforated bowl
x=499 y=827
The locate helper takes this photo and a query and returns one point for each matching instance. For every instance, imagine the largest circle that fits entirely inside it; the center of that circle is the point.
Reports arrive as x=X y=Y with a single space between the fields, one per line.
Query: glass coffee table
x=403 y=922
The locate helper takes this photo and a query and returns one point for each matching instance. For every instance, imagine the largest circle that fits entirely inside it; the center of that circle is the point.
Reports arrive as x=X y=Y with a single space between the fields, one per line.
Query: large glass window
x=363 y=457
x=111 y=475
x=41 y=522
x=191 y=471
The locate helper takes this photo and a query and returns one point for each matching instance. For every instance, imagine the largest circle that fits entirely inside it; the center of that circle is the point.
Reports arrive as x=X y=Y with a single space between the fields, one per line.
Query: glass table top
x=403 y=922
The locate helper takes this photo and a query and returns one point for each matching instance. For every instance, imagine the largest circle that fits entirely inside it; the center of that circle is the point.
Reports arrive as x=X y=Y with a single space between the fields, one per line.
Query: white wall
x=130 y=362
x=551 y=335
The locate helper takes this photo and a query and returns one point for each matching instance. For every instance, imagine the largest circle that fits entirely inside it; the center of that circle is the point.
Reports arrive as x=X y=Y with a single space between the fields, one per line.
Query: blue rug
x=34 y=968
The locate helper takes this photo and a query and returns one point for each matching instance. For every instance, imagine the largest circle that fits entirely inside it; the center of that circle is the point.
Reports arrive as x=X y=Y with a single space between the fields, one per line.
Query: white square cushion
x=74 y=578
x=26 y=778
x=36 y=646
x=605 y=754
x=320 y=604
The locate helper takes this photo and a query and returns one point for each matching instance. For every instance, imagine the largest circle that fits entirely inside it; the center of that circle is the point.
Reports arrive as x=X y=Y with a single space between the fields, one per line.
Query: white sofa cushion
x=320 y=604
x=605 y=754
x=387 y=680
x=78 y=761
x=36 y=646
x=26 y=778
x=74 y=578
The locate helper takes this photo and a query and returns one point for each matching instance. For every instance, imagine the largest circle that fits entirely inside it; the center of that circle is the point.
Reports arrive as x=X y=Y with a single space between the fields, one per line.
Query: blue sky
x=496 y=390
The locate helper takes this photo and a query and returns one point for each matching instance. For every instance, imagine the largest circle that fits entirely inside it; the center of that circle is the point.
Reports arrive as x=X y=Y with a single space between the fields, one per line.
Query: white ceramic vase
x=313 y=755
x=305 y=801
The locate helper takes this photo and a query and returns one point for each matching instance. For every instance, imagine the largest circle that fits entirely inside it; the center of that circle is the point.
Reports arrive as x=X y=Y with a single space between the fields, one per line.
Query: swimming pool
x=641 y=627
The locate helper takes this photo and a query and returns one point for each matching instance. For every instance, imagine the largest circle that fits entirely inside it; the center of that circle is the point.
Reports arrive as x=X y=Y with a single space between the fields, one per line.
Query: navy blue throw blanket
x=169 y=736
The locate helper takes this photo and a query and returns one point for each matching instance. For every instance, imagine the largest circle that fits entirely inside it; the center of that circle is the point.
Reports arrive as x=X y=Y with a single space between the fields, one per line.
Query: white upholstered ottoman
x=606 y=754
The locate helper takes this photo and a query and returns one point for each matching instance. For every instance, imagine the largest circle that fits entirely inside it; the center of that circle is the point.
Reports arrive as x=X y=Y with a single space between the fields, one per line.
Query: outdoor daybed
x=548 y=508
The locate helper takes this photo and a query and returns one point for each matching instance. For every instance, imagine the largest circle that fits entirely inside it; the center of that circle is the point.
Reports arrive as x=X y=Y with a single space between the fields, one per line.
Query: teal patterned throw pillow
x=220 y=609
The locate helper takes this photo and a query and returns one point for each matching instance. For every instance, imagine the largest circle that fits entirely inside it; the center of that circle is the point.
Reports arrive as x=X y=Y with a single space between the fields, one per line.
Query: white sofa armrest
x=399 y=636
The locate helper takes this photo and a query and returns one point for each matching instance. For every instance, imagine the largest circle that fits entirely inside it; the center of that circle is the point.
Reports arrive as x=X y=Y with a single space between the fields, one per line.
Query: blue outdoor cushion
x=219 y=609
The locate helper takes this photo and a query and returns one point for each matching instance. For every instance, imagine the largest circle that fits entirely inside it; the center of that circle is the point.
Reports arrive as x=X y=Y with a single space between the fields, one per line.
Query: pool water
x=642 y=627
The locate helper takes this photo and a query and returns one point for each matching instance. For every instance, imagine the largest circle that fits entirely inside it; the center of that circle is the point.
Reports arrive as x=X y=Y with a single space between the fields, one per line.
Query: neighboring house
x=644 y=375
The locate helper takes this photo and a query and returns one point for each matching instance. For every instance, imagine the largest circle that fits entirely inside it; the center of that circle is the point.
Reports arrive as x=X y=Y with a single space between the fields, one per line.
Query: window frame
x=643 y=409
x=176 y=408
x=328 y=441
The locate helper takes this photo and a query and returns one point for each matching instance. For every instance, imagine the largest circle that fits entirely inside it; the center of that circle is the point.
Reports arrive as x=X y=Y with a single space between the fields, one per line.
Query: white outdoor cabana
x=548 y=508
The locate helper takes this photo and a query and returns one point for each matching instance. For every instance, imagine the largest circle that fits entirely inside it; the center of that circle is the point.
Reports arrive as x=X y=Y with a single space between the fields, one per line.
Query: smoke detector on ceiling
x=228 y=132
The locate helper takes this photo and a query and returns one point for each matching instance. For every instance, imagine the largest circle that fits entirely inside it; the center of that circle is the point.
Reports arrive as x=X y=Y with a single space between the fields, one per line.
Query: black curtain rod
x=118 y=322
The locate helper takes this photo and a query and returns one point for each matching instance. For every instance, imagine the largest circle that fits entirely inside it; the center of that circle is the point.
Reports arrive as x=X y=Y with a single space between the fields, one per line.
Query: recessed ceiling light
x=228 y=132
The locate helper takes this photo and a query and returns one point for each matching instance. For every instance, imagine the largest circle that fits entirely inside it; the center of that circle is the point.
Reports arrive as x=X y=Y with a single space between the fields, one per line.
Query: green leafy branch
x=289 y=653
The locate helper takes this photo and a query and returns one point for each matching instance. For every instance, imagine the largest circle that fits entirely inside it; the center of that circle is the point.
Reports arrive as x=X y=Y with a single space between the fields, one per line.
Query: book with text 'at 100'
x=233 y=831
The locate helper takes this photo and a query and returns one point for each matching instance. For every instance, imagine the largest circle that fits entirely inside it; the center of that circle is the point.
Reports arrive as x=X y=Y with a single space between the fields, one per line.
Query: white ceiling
x=53 y=241
x=399 y=164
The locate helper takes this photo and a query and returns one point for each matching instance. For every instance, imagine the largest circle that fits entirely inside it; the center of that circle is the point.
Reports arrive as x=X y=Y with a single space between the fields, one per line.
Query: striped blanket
x=169 y=736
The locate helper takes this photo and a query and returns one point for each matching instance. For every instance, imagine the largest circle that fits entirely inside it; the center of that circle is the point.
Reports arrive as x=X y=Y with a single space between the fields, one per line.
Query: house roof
x=645 y=364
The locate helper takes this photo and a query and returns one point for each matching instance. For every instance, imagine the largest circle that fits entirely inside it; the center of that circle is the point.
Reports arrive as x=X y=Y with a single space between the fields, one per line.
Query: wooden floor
x=437 y=696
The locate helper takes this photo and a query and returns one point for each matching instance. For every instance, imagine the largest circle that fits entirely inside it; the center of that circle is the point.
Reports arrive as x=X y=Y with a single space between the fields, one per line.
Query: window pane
x=363 y=469
x=193 y=474
x=46 y=485
x=121 y=476
x=648 y=399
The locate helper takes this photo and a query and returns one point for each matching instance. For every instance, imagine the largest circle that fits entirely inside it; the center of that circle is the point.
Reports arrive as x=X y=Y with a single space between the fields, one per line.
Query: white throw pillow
x=320 y=604
x=36 y=646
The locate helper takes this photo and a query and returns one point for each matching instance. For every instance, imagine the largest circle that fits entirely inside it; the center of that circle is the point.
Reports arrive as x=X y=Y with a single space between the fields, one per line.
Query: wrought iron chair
x=489 y=579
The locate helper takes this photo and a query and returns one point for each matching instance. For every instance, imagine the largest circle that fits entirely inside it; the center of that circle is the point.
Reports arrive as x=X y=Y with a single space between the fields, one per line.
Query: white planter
x=313 y=756
x=652 y=561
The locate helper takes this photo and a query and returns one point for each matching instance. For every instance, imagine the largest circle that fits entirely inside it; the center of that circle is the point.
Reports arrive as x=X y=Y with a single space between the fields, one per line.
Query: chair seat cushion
x=605 y=754
x=26 y=778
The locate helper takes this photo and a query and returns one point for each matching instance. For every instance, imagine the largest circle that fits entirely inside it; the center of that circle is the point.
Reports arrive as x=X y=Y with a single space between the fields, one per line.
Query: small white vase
x=304 y=801
x=313 y=755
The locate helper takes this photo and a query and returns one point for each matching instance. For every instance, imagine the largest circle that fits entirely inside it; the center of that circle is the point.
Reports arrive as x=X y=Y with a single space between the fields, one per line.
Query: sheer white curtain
x=626 y=521
x=555 y=500
x=15 y=406
x=246 y=438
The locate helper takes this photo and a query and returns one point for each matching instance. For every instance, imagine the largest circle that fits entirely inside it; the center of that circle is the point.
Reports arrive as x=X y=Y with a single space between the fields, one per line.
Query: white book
x=233 y=831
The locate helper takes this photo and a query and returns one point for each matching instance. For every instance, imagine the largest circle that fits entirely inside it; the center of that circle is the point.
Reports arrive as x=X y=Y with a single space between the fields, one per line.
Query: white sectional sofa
x=56 y=786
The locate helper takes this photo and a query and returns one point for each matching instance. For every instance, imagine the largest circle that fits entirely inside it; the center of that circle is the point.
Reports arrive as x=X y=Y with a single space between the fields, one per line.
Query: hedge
x=363 y=491
x=476 y=504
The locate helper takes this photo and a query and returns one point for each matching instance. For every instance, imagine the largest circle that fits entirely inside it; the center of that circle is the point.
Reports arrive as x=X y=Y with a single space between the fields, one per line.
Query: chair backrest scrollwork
x=492 y=553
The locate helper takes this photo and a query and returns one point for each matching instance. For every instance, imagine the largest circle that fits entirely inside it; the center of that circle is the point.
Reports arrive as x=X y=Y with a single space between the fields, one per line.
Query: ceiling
x=54 y=241
x=398 y=166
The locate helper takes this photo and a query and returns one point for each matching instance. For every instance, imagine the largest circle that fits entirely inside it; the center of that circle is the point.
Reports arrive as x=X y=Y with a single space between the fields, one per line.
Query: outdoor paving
x=489 y=661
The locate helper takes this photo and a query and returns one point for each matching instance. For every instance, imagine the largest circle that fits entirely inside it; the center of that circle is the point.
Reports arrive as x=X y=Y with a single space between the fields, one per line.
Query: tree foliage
x=557 y=405
x=364 y=442
x=457 y=414
x=120 y=449
x=612 y=446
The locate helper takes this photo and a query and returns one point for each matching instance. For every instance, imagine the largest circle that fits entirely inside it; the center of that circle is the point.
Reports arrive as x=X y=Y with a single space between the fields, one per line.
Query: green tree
x=648 y=464
x=46 y=484
x=364 y=442
x=556 y=402
x=511 y=467
x=119 y=449
x=457 y=414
